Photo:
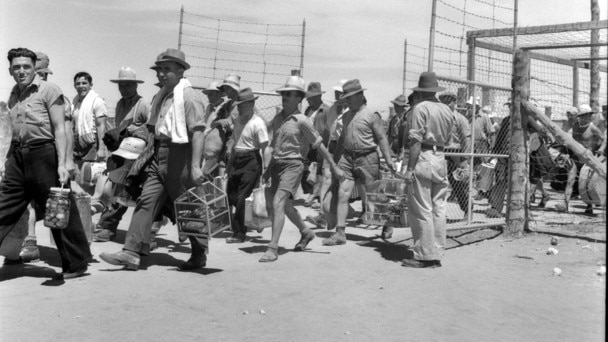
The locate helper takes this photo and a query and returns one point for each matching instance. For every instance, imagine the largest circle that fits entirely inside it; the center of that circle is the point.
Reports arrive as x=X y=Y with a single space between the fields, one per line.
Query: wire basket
x=386 y=203
x=202 y=211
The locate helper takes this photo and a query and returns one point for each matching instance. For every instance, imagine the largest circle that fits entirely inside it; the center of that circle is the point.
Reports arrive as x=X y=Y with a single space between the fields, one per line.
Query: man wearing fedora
x=131 y=113
x=362 y=133
x=292 y=135
x=246 y=163
x=432 y=126
x=316 y=108
x=394 y=132
x=176 y=127
x=214 y=136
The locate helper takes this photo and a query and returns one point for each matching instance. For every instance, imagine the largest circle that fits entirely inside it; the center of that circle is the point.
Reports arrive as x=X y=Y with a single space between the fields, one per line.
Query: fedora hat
x=213 y=86
x=245 y=95
x=42 y=62
x=400 y=100
x=130 y=148
x=584 y=109
x=314 y=89
x=231 y=80
x=126 y=74
x=173 y=55
x=295 y=83
x=339 y=86
x=428 y=83
x=351 y=88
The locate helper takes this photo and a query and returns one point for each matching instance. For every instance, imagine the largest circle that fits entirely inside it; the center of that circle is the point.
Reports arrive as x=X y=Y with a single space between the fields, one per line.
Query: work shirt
x=325 y=122
x=358 y=133
x=483 y=127
x=250 y=135
x=291 y=136
x=134 y=110
x=29 y=110
x=313 y=115
x=194 y=109
x=432 y=123
x=462 y=133
x=211 y=112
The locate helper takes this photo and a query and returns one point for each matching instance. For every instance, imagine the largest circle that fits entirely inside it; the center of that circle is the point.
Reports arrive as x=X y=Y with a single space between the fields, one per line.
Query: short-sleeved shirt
x=462 y=131
x=432 y=123
x=358 y=133
x=325 y=121
x=314 y=114
x=251 y=135
x=483 y=127
x=29 y=110
x=100 y=109
x=291 y=136
x=134 y=110
x=194 y=108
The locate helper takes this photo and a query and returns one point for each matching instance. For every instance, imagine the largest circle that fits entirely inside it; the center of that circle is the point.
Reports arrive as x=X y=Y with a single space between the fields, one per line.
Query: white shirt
x=251 y=135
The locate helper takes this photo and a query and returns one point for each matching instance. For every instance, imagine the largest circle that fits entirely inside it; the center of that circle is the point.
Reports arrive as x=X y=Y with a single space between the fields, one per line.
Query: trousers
x=167 y=177
x=426 y=205
x=247 y=169
x=29 y=175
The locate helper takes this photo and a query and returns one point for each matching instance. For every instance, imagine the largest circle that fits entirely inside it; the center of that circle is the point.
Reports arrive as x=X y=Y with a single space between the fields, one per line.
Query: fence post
x=181 y=23
x=516 y=199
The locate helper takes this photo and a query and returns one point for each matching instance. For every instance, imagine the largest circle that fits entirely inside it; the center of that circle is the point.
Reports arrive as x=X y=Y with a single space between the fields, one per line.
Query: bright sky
x=344 y=38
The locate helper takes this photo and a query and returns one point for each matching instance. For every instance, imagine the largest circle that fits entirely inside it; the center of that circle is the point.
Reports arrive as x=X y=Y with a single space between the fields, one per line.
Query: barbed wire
x=241 y=53
x=494 y=5
x=473 y=14
x=240 y=22
x=239 y=31
x=239 y=70
x=456 y=22
x=250 y=62
x=236 y=42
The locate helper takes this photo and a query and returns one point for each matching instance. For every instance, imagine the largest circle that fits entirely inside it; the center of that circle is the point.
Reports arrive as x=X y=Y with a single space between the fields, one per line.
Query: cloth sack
x=259 y=203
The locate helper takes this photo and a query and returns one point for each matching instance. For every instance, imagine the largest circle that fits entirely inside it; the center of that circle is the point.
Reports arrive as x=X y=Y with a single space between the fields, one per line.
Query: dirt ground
x=489 y=288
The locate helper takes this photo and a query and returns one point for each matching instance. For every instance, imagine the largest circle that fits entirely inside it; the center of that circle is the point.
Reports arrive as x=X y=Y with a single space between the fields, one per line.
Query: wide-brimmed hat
x=584 y=109
x=231 y=80
x=351 y=88
x=173 y=55
x=295 y=83
x=572 y=110
x=400 y=100
x=126 y=74
x=130 y=148
x=245 y=95
x=42 y=62
x=314 y=89
x=339 y=86
x=213 y=86
x=428 y=83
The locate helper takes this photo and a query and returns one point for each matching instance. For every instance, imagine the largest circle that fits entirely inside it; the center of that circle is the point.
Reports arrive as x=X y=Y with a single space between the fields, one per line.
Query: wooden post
x=574 y=85
x=594 y=87
x=404 y=65
x=302 y=47
x=181 y=24
x=516 y=199
x=432 y=36
x=566 y=139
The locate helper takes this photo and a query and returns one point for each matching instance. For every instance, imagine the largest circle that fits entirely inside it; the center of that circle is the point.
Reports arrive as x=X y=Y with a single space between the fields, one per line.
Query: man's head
x=399 y=103
x=585 y=114
x=313 y=94
x=427 y=87
x=83 y=83
x=22 y=63
x=353 y=95
x=171 y=67
x=338 y=91
x=292 y=93
x=231 y=85
x=127 y=82
x=449 y=99
x=214 y=95
x=42 y=65
x=245 y=101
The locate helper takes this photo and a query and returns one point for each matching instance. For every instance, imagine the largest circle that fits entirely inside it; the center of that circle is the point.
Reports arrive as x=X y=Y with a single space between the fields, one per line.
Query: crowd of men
x=158 y=149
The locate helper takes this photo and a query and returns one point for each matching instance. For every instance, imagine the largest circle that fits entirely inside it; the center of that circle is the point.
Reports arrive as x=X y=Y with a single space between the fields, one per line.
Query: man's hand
x=197 y=175
x=408 y=176
x=70 y=166
x=64 y=175
x=391 y=165
x=338 y=173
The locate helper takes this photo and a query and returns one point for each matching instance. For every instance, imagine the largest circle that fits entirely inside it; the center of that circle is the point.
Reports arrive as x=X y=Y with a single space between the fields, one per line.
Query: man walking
x=37 y=162
x=176 y=124
x=432 y=125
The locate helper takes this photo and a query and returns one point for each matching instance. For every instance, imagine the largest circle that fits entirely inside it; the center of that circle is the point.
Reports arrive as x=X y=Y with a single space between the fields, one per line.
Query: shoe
x=318 y=220
x=183 y=237
x=72 y=275
x=335 y=239
x=29 y=251
x=413 y=263
x=271 y=254
x=493 y=213
x=236 y=239
x=589 y=210
x=103 y=235
x=195 y=262
x=387 y=232
x=308 y=236
x=11 y=262
x=153 y=243
x=122 y=258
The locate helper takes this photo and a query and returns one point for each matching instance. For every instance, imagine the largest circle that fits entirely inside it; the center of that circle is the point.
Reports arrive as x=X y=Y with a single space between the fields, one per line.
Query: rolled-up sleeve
x=195 y=111
x=418 y=124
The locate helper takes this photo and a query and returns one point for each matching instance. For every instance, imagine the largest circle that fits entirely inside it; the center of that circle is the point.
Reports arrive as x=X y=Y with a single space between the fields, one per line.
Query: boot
x=197 y=260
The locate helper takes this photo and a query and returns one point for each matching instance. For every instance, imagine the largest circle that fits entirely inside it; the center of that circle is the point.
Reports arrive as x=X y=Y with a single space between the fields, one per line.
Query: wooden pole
x=181 y=23
x=566 y=139
x=404 y=65
x=432 y=37
x=575 y=87
x=594 y=89
x=516 y=199
x=302 y=48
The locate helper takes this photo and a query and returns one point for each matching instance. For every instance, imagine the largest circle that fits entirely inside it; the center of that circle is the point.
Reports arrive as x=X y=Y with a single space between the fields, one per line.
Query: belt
x=32 y=145
x=245 y=153
x=299 y=159
x=165 y=143
x=426 y=147
x=357 y=154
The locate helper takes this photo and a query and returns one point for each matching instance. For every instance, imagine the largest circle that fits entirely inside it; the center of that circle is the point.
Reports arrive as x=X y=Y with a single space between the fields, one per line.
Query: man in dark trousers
x=37 y=162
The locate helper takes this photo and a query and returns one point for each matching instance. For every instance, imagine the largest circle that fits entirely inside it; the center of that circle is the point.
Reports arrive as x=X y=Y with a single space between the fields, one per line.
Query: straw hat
x=585 y=109
x=231 y=80
x=351 y=88
x=400 y=101
x=314 y=89
x=245 y=95
x=428 y=83
x=126 y=74
x=173 y=55
x=42 y=62
x=213 y=86
x=295 y=83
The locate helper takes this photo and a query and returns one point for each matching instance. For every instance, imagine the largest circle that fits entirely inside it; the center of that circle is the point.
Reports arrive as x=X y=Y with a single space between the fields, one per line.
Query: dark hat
x=245 y=95
x=351 y=88
x=400 y=100
x=314 y=89
x=428 y=83
x=173 y=55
